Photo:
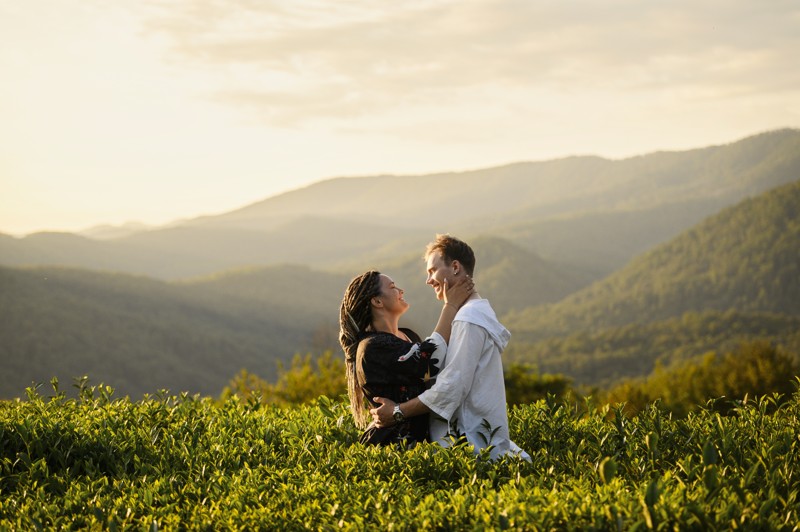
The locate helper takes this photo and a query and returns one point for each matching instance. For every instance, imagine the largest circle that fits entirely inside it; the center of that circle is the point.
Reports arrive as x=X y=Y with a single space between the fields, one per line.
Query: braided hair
x=355 y=320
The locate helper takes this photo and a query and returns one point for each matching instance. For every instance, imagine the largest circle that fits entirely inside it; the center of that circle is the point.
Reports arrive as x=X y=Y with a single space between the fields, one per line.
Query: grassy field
x=180 y=462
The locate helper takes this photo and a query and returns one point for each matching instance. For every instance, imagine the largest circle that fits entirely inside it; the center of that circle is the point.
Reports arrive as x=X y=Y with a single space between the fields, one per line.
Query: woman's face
x=392 y=296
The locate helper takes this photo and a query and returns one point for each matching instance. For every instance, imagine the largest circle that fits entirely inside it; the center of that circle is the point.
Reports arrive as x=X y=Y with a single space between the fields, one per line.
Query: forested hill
x=731 y=279
x=140 y=335
x=746 y=258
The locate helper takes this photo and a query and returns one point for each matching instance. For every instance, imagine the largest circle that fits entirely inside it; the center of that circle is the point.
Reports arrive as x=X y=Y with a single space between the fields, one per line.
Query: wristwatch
x=398 y=414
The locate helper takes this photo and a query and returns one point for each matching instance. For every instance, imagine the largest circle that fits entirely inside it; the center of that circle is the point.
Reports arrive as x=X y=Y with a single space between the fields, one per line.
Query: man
x=469 y=394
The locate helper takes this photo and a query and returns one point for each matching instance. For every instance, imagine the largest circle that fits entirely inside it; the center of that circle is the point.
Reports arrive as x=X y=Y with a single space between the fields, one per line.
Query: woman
x=385 y=360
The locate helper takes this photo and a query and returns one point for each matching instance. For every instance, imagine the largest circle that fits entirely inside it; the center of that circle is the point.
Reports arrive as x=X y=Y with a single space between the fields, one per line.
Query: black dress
x=398 y=370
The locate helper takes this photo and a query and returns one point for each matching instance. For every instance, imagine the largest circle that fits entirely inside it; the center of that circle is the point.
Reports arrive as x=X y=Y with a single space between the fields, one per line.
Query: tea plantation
x=180 y=462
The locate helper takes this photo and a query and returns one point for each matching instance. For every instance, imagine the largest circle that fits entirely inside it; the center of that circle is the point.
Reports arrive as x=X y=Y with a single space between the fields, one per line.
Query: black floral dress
x=398 y=370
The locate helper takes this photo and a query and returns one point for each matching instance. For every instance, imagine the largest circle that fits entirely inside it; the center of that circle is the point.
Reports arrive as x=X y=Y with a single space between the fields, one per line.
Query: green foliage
x=181 y=462
x=524 y=384
x=754 y=369
x=301 y=383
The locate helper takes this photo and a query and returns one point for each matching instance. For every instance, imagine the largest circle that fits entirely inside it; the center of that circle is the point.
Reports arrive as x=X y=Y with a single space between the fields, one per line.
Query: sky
x=154 y=111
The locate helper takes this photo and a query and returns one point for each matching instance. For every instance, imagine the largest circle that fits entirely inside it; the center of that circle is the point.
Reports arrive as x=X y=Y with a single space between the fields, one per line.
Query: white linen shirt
x=469 y=391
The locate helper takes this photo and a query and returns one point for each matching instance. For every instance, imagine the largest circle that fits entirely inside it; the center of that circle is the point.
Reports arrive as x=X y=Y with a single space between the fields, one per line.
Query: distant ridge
x=548 y=188
x=592 y=213
x=110 y=232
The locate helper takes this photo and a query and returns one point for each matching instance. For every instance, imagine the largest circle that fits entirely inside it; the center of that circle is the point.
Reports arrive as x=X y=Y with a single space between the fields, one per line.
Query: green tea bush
x=185 y=462
x=302 y=382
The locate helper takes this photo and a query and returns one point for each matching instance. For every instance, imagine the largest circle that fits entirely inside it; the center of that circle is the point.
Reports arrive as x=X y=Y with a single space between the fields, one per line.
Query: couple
x=451 y=383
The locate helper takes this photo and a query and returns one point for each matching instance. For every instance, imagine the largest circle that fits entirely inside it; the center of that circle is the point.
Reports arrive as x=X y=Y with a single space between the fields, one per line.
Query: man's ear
x=456 y=266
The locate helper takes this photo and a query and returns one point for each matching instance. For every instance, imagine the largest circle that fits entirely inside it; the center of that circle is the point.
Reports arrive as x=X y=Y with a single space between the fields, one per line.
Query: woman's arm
x=454 y=297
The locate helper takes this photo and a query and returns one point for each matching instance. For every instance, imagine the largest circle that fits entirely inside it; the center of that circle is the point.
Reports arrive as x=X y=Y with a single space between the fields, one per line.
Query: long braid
x=355 y=319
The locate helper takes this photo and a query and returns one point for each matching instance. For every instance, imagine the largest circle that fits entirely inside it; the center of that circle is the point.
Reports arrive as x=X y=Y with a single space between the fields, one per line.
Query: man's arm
x=384 y=417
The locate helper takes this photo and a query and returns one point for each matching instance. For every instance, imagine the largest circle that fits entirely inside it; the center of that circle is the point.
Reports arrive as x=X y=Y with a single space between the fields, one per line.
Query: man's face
x=438 y=271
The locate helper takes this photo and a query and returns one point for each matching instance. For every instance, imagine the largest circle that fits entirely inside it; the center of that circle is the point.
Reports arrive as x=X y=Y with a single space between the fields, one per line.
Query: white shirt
x=469 y=391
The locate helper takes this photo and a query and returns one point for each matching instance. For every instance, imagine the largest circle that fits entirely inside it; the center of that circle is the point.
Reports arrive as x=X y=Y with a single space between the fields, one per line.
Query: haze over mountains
x=570 y=252
x=589 y=211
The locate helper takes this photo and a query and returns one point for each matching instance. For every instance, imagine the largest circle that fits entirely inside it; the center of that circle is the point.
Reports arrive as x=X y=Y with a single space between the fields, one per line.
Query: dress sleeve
x=455 y=381
x=441 y=349
x=387 y=359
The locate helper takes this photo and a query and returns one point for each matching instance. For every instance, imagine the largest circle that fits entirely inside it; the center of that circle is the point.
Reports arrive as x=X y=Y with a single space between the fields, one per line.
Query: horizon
x=175 y=221
x=155 y=113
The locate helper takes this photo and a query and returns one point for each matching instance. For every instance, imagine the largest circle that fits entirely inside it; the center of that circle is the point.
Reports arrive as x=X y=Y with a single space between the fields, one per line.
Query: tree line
x=754 y=368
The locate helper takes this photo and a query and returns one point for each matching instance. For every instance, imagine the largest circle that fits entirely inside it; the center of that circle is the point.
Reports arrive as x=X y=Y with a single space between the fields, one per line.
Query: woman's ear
x=376 y=302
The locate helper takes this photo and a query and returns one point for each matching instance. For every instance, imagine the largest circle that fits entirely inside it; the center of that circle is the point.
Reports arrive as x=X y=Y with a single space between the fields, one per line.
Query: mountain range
x=590 y=262
x=594 y=213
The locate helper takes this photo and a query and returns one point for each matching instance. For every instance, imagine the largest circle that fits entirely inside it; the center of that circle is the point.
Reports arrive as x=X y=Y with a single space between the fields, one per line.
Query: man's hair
x=452 y=249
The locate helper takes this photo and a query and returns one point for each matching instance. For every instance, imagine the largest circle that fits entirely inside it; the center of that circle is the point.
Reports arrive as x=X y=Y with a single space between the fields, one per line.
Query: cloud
x=293 y=61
